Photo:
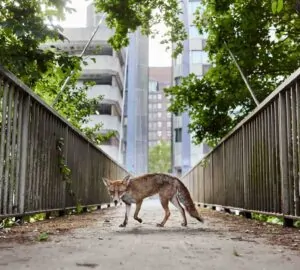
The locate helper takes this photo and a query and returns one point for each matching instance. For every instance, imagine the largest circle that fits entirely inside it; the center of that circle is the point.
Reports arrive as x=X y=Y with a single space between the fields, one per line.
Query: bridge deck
x=219 y=243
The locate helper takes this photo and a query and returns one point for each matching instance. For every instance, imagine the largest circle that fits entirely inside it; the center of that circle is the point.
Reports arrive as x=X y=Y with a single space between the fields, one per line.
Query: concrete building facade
x=159 y=118
x=195 y=60
x=136 y=105
x=106 y=67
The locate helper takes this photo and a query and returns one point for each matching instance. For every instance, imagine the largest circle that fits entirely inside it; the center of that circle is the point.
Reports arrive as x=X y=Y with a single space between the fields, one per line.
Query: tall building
x=136 y=105
x=106 y=67
x=195 y=60
x=159 y=118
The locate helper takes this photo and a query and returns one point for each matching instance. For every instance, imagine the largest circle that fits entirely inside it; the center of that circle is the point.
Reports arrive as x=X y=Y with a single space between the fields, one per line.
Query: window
x=159 y=96
x=105 y=109
x=178 y=134
x=177 y=80
x=199 y=57
x=159 y=133
x=150 y=106
x=159 y=114
x=153 y=86
x=193 y=31
x=193 y=5
x=205 y=68
x=159 y=124
x=168 y=124
x=159 y=106
x=169 y=133
x=169 y=115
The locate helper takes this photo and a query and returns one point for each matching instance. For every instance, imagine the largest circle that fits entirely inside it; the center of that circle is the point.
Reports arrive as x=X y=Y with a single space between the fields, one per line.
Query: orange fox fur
x=169 y=188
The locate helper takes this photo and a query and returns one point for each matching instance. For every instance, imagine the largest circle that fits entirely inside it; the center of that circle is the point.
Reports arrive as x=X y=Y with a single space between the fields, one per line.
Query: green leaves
x=160 y=157
x=277 y=6
x=127 y=16
x=267 y=48
x=43 y=237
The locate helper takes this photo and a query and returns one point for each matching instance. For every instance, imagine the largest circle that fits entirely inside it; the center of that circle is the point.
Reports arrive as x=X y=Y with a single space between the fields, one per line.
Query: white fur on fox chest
x=127 y=198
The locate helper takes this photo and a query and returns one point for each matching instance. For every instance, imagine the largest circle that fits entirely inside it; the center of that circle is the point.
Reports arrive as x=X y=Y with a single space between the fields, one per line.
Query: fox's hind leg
x=165 y=205
x=176 y=203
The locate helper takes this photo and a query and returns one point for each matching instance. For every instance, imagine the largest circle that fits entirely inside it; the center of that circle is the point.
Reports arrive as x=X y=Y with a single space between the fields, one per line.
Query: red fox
x=169 y=188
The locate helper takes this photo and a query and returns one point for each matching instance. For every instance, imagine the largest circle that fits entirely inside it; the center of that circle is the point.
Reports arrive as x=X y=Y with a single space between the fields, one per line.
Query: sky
x=158 y=56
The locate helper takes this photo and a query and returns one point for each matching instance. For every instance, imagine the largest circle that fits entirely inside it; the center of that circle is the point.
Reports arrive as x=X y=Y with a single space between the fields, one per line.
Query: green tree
x=262 y=35
x=25 y=25
x=160 y=157
x=127 y=16
x=267 y=48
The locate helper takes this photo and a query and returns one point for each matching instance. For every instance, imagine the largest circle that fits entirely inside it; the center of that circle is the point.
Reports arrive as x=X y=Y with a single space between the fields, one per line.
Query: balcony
x=109 y=122
x=105 y=64
x=110 y=94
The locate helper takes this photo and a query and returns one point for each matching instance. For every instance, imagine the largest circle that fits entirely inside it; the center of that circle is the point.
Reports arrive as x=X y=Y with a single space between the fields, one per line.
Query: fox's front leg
x=137 y=210
x=128 y=206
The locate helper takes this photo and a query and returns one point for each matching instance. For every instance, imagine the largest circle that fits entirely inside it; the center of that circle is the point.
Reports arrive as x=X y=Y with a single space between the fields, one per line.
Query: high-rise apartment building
x=159 y=118
x=130 y=143
x=192 y=60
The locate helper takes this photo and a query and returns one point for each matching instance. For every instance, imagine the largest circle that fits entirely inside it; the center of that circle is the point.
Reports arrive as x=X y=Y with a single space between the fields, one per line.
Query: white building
x=107 y=72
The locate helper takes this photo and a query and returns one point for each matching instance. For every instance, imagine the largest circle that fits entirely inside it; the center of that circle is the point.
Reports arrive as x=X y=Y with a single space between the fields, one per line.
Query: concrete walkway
x=144 y=246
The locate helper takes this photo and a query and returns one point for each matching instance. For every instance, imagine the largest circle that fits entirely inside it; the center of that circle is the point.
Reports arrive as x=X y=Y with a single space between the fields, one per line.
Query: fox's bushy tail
x=184 y=197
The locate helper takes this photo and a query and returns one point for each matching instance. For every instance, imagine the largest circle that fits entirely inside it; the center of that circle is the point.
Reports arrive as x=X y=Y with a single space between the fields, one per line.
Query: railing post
x=24 y=147
x=224 y=174
x=245 y=168
x=283 y=154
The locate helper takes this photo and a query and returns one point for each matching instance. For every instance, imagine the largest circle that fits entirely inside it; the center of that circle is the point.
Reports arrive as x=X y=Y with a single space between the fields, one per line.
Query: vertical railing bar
x=297 y=177
x=18 y=154
x=289 y=151
x=266 y=158
x=13 y=179
x=7 y=158
x=245 y=187
x=277 y=179
x=37 y=158
x=24 y=149
x=3 y=144
x=283 y=153
x=270 y=155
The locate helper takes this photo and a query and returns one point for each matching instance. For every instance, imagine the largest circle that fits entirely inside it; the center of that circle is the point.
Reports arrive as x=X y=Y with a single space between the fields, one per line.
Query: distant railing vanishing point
x=256 y=167
x=35 y=145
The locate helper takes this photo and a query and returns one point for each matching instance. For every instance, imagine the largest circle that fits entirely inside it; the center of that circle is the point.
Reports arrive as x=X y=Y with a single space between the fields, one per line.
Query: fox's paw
x=122 y=225
x=139 y=220
x=184 y=224
x=159 y=225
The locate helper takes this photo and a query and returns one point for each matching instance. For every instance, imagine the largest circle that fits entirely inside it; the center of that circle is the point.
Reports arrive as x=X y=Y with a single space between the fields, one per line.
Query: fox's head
x=116 y=188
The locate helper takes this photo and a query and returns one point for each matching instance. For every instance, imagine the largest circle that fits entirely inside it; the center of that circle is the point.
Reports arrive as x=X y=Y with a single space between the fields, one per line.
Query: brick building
x=159 y=118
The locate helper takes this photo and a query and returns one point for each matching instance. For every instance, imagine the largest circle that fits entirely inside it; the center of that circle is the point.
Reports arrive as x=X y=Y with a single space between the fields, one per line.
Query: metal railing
x=256 y=167
x=35 y=143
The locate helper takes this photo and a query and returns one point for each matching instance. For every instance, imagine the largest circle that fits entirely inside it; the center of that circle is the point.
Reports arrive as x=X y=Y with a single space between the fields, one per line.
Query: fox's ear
x=126 y=179
x=106 y=181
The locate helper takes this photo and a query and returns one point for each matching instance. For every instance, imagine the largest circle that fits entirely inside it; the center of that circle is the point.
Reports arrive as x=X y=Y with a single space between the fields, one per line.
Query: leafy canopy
x=126 y=16
x=267 y=48
x=25 y=25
